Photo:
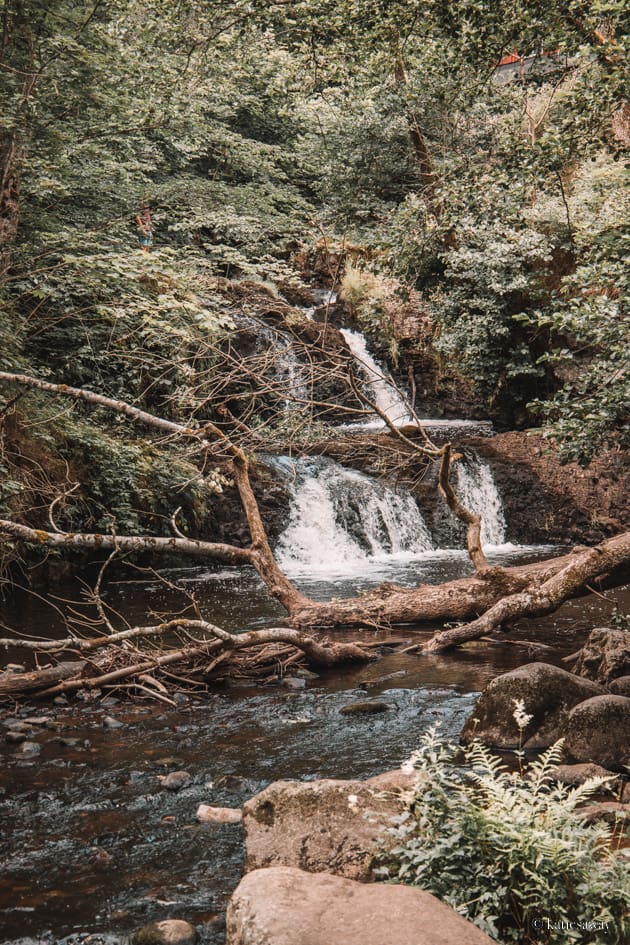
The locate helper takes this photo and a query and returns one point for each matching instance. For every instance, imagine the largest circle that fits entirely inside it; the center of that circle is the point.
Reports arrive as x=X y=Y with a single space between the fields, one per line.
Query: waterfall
x=383 y=392
x=341 y=519
x=477 y=490
x=291 y=375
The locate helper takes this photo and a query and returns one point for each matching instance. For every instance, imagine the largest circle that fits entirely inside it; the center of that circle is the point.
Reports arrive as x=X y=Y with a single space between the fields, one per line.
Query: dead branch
x=543 y=597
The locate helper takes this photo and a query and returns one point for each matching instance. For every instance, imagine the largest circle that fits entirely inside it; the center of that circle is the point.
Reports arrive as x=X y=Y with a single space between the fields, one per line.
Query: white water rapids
x=342 y=521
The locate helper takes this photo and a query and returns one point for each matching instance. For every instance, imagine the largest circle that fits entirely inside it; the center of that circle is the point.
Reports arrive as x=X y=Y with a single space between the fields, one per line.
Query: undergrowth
x=509 y=850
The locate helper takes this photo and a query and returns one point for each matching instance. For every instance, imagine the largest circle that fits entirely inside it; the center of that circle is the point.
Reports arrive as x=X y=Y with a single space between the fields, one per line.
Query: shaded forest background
x=367 y=143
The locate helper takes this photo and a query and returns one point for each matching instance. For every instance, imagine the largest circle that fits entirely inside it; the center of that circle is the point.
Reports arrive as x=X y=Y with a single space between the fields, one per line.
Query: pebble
x=167 y=932
x=39 y=719
x=15 y=668
x=293 y=682
x=110 y=722
x=175 y=780
x=365 y=708
x=30 y=748
x=70 y=742
x=219 y=815
x=15 y=736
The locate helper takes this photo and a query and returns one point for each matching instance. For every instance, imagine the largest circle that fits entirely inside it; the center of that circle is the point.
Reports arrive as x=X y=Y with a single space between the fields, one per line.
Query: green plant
x=508 y=850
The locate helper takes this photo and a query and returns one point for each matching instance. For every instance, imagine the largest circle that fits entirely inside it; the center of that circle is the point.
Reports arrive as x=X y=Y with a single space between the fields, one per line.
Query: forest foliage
x=252 y=128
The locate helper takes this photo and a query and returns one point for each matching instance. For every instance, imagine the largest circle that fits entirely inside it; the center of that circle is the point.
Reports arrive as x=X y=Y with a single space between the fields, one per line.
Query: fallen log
x=223 y=646
x=17 y=684
x=542 y=597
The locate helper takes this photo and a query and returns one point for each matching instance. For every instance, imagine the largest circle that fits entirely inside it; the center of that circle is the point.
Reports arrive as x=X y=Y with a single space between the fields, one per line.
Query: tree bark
x=10 y=169
x=16 y=684
x=544 y=596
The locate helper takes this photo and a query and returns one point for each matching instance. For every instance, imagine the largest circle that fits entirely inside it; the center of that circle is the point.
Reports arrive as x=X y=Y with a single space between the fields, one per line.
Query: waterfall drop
x=478 y=492
x=383 y=391
x=341 y=519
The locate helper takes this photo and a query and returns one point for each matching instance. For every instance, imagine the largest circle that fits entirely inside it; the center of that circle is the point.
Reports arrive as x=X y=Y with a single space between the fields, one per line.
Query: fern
x=506 y=848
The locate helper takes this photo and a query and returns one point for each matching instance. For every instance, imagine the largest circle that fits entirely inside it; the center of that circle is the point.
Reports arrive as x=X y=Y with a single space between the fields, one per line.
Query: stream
x=91 y=845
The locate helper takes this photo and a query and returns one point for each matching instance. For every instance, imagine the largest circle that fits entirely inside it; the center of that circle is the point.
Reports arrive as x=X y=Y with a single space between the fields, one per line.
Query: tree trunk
x=16 y=684
x=10 y=168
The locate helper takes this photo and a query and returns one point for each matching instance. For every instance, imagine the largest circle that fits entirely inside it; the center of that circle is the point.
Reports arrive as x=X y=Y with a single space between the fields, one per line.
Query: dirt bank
x=547 y=501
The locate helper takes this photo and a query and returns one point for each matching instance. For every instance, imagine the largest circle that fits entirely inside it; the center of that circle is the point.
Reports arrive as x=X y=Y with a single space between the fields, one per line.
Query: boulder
x=620 y=686
x=605 y=655
x=598 y=730
x=548 y=693
x=283 y=906
x=167 y=932
x=323 y=826
x=574 y=775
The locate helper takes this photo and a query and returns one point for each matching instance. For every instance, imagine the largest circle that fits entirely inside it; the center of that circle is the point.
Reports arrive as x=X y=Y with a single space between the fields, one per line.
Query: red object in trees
x=510 y=58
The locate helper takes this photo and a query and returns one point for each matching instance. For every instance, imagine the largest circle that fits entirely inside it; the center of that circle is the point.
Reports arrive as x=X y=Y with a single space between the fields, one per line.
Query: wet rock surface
x=546 y=501
x=605 y=656
x=284 y=906
x=548 y=693
x=598 y=730
x=327 y=826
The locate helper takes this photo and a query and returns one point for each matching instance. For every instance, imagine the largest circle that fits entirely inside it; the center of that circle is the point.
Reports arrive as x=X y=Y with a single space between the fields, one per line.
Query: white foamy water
x=382 y=390
x=341 y=519
x=477 y=490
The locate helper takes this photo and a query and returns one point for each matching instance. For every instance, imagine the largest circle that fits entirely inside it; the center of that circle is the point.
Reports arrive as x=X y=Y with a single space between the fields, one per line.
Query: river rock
x=323 y=826
x=367 y=707
x=167 y=932
x=598 y=730
x=30 y=748
x=574 y=775
x=175 y=781
x=548 y=692
x=15 y=736
x=620 y=686
x=605 y=655
x=282 y=906
x=219 y=815
x=110 y=722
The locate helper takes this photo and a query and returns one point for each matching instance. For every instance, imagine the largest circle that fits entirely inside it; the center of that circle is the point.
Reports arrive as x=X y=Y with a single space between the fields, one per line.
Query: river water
x=92 y=844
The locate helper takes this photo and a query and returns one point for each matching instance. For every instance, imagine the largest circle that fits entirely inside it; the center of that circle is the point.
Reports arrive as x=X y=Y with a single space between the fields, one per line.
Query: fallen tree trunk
x=390 y=604
x=13 y=685
x=117 y=665
x=544 y=596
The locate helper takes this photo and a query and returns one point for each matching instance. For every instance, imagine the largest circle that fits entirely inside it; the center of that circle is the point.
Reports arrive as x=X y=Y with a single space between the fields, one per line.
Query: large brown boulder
x=598 y=730
x=548 y=693
x=323 y=826
x=620 y=686
x=284 y=906
x=605 y=655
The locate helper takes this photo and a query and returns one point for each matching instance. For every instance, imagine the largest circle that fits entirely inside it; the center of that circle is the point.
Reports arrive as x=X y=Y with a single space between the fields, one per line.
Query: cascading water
x=341 y=519
x=385 y=395
x=291 y=374
x=477 y=490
